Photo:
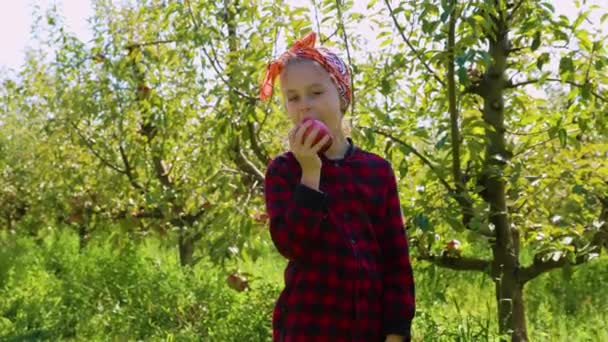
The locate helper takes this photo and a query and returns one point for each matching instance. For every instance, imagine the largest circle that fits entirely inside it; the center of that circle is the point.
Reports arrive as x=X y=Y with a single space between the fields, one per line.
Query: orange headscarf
x=304 y=48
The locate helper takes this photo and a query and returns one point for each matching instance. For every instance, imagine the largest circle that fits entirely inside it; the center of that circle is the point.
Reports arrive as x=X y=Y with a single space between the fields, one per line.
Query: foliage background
x=132 y=166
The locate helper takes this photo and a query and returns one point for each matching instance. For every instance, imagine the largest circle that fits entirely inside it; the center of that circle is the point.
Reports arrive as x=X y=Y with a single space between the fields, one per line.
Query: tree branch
x=458 y=263
x=323 y=41
x=515 y=9
x=476 y=89
x=219 y=72
x=461 y=195
x=255 y=146
x=239 y=158
x=521 y=84
x=539 y=267
x=187 y=220
x=409 y=44
x=314 y=4
x=455 y=132
x=589 y=64
x=156 y=42
x=215 y=64
x=531 y=147
x=599 y=240
x=95 y=153
x=528 y=133
x=424 y=159
x=516 y=49
x=128 y=168
x=161 y=173
x=154 y=213
x=247 y=166
x=350 y=62
x=511 y=85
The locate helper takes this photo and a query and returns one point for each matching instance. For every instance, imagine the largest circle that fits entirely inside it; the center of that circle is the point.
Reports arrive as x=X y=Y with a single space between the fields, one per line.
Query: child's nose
x=305 y=109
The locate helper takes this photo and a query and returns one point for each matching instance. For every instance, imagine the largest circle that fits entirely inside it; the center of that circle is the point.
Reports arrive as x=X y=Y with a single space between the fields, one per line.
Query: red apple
x=452 y=248
x=143 y=91
x=453 y=245
x=76 y=218
x=323 y=131
x=237 y=282
x=260 y=217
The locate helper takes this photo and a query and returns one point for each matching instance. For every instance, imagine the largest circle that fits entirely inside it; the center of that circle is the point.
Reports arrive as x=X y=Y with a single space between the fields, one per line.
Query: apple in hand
x=323 y=131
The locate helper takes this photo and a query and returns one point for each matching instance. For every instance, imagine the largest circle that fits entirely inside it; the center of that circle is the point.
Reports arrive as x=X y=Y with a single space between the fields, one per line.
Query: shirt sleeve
x=295 y=212
x=398 y=279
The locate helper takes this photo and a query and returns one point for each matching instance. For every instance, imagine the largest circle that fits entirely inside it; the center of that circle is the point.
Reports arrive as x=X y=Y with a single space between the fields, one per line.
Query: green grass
x=50 y=291
x=452 y=305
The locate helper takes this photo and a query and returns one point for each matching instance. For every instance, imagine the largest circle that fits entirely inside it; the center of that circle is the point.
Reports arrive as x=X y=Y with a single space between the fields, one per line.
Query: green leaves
x=563 y=136
x=584 y=40
x=566 y=67
x=537 y=41
x=422 y=221
x=542 y=60
x=193 y=88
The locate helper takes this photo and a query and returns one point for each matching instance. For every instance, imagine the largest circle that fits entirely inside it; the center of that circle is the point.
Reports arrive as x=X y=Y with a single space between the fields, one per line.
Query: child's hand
x=306 y=154
x=394 y=338
x=303 y=149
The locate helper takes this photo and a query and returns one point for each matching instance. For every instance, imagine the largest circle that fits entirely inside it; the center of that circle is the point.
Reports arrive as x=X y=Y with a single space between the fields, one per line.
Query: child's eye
x=292 y=98
x=318 y=92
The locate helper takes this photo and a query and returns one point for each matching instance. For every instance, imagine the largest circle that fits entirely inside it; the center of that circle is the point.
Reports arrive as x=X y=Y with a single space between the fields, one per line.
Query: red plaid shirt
x=349 y=276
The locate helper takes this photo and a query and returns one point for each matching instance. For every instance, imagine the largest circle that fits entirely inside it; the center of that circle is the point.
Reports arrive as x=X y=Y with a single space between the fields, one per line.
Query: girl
x=335 y=216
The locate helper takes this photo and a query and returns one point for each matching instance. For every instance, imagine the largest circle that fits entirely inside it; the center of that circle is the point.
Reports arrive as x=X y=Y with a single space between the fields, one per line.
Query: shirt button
x=336 y=164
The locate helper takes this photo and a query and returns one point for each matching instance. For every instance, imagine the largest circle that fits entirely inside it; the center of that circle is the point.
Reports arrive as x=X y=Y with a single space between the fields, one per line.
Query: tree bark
x=9 y=223
x=83 y=237
x=187 y=243
x=509 y=290
x=461 y=193
x=186 y=249
x=519 y=314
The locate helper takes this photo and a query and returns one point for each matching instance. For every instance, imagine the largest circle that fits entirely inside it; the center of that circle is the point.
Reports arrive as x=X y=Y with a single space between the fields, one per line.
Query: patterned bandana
x=304 y=48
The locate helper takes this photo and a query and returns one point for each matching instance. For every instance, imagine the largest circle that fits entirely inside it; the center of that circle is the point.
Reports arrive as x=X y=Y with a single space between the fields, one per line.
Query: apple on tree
x=260 y=217
x=237 y=281
x=452 y=249
x=143 y=91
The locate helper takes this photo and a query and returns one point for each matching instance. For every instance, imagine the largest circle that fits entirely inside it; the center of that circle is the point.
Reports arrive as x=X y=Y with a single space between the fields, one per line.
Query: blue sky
x=16 y=21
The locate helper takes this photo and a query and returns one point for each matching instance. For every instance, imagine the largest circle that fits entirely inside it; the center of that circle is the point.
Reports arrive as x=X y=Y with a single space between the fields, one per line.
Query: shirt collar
x=349 y=152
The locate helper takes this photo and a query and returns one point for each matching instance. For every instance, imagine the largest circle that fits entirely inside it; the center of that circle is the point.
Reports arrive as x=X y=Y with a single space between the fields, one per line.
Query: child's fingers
x=291 y=136
x=320 y=143
x=300 y=132
x=311 y=137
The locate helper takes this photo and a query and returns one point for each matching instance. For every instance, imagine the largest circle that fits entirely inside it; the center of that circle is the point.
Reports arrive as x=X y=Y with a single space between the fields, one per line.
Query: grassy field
x=50 y=291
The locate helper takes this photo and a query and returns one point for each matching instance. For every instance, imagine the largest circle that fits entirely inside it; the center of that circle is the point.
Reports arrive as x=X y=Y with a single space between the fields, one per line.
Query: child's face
x=308 y=91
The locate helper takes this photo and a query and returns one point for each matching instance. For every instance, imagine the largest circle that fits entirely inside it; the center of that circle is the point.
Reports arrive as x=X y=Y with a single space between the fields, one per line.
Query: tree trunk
x=509 y=290
x=83 y=237
x=186 y=249
x=510 y=304
x=519 y=314
x=9 y=223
